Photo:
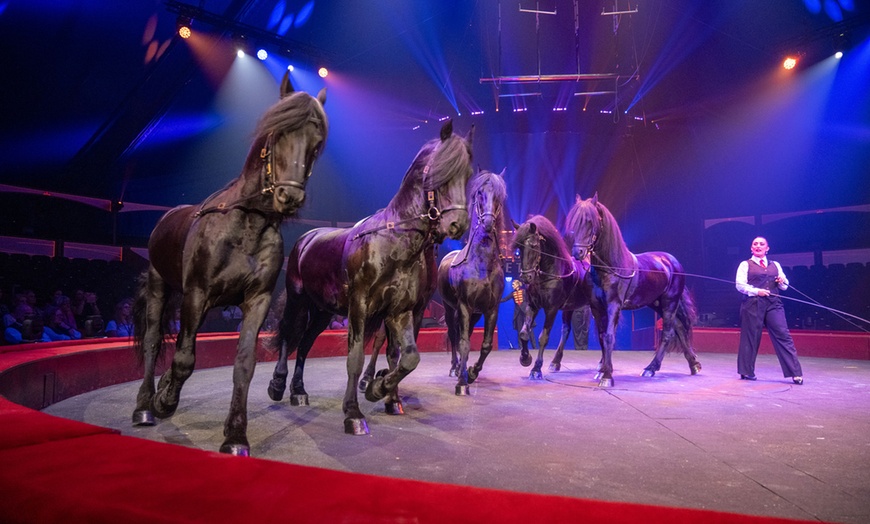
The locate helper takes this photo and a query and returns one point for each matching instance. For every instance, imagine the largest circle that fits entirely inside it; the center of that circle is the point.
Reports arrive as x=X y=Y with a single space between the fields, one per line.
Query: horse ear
x=595 y=198
x=578 y=199
x=286 y=85
x=447 y=130
x=533 y=228
x=321 y=97
x=502 y=172
x=470 y=137
x=514 y=223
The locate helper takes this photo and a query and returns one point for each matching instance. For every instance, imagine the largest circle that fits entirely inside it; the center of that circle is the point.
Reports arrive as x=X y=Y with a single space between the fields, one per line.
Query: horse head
x=292 y=133
x=488 y=194
x=528 y=242
x=583 y=227
x=445 y=177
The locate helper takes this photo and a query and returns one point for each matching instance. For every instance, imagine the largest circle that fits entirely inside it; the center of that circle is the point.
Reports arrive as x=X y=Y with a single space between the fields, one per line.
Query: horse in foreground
x=623 y=280
x=554 y=282
x=471 y=280
x=228 y=250
x=376 y=272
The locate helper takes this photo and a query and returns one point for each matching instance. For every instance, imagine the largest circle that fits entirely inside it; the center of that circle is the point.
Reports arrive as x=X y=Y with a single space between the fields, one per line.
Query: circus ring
x=56 y=469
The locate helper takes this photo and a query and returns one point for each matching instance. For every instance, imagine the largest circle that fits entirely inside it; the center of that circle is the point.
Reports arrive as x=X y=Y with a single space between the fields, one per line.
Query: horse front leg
x=369 y=373
x=401 y=333
x=490 y=320
x=549 y=319
x=556 y=363
x=463 y=322
x=392 y=402
x=154 y=294
x=607 y=339
x=354 y=421
x=254 y=311
x=529 y=315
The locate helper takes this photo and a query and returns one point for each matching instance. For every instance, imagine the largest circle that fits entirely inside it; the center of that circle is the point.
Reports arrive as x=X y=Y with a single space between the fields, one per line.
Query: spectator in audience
x=122 y=324
x=26 y=327
x=761 y=281
x=56 y=327
x=84 y=306
x=30 y=296
x=338 y=322
x=65 y=307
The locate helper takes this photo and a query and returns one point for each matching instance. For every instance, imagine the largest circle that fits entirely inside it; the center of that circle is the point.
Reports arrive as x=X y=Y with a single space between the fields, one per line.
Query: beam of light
x=684 y=39
x=426 y=48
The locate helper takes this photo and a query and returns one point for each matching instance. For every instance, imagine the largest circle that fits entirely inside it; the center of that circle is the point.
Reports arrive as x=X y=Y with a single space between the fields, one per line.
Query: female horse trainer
x=761 y=282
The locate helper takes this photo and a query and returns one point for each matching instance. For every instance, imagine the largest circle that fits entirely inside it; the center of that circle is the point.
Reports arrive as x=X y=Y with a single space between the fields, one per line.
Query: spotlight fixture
x=240 y=53
x=323 y=72
x=262 y=54
x=789 y=63
x=290 y=68
x=838 y=55
x=182 y=26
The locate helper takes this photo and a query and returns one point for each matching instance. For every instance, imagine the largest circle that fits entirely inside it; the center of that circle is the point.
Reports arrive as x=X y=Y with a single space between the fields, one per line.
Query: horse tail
x=686 y=316
x=140 y=319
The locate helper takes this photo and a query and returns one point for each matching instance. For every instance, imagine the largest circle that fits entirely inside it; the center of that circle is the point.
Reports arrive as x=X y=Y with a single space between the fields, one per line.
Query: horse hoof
x=472 y=375
x=526 y=360
x=555 y=368
x=299 y=400
x=696 y=368
x=364 y=383
x=394 y=408
x=275 y=393
x=239 y=450
x=356 y=426
x=605 y=383
x=462 y=390
x=599 y=375
x=536 y=375
x=648 y=373
x=143 y=417
x=454 y=372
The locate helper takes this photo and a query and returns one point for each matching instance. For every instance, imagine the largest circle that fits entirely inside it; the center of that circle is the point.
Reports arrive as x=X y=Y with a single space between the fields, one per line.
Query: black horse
x=471 y=280
x=554 y=282
x=227 y=251
x=623 y=280
x=376 y=272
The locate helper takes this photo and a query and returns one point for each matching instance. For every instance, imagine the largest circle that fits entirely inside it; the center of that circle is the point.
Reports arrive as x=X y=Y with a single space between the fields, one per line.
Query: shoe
x=748 y=377
x=798 y=380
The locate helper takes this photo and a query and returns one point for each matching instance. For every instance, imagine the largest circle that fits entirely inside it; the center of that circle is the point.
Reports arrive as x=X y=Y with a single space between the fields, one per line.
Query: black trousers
x=755 y=314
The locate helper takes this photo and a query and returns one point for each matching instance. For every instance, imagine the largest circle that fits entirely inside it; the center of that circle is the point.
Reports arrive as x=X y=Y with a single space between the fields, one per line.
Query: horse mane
x=610 y=242
x=450 y=156
x=499 y=192
x=290 y=114
x=547 y=230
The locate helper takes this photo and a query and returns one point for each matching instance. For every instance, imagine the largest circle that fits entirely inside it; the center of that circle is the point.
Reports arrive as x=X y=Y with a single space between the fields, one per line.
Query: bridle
x=433 y=214
x=535 y=269
x=268 y=183
x=480 y=213
x=590 y=250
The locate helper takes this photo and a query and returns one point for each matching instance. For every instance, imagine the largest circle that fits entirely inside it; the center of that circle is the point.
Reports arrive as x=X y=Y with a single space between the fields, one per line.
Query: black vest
x=763 y=277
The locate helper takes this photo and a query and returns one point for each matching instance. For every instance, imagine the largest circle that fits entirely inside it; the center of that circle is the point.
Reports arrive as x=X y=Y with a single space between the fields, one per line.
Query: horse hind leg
x=319 y=322
x=293 y=324
x=393 y=401
x=152 y=297
x=556 y=363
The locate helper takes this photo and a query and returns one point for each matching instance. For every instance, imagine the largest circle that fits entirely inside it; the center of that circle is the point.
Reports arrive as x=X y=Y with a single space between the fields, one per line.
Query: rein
x=537 y=269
